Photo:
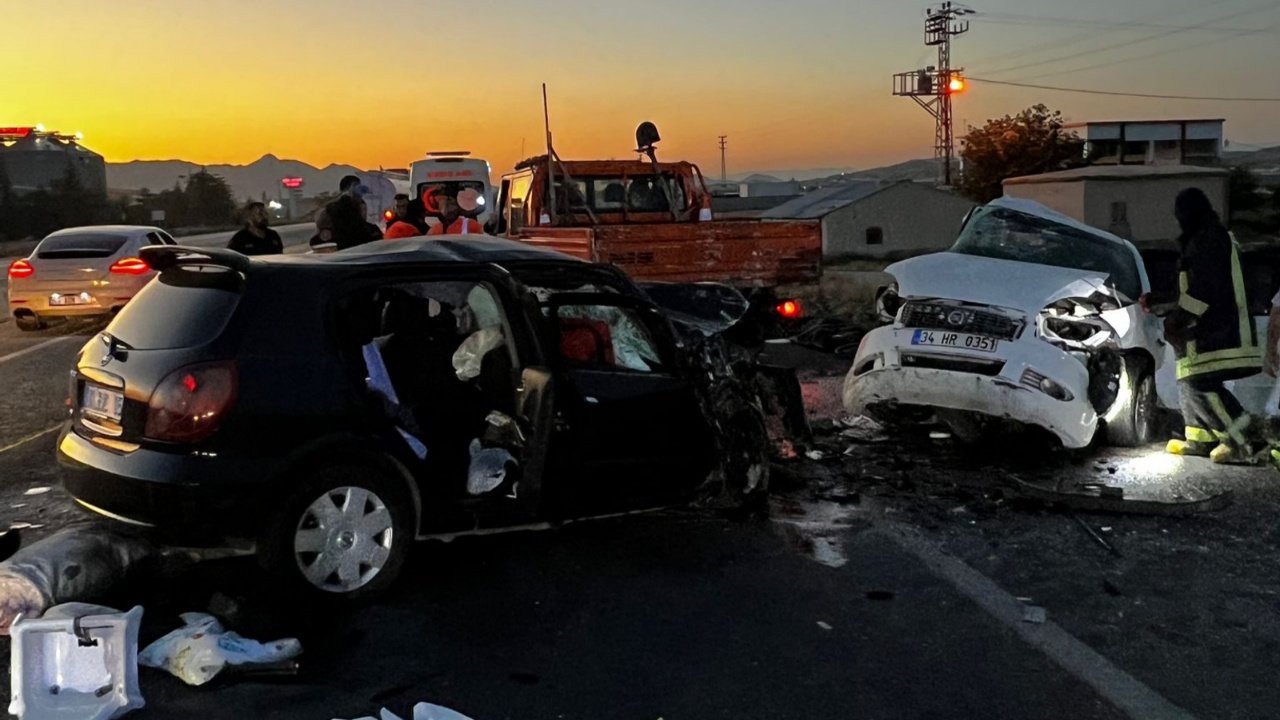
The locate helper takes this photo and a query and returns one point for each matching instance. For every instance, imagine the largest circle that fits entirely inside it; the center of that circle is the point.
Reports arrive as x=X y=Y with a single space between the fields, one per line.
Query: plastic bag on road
x=200 y=650
x=422 y=711
x=75 y=564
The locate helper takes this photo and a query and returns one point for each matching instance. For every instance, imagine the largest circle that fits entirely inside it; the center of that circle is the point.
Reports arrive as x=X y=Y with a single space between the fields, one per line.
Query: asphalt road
x=880 y=584
x=294 y=237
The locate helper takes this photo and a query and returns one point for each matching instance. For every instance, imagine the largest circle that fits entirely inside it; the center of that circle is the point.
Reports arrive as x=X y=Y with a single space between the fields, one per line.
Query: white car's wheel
x=28 y=323
x=346 y=533
x=1133 y=422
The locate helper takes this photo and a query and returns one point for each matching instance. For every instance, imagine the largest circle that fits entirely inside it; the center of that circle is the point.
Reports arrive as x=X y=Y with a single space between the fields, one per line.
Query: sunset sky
x=794 y=84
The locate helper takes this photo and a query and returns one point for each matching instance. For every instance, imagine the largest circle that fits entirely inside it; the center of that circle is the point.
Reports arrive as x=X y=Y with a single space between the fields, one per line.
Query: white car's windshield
x=1005 y=234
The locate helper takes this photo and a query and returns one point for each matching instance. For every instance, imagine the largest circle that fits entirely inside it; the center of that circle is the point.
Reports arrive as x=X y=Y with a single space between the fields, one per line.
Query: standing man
x=1213 y=336
x=349 y=185
x=256 y=238
x=400 y=211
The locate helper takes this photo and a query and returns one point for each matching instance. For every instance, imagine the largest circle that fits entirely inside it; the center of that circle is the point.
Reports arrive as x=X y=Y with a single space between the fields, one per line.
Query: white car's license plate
x=941 y=338
x=68 y=299
x=102 y=402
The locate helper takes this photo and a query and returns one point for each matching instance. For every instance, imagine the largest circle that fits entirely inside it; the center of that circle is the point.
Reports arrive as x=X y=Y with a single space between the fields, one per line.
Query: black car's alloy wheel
x=346 y=532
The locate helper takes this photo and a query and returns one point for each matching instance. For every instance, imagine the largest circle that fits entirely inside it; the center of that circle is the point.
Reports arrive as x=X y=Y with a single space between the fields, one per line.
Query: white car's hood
x=1004 y=283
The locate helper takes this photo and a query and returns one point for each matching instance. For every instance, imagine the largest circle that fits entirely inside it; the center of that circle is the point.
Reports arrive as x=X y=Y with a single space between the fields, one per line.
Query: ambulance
x=450 y=172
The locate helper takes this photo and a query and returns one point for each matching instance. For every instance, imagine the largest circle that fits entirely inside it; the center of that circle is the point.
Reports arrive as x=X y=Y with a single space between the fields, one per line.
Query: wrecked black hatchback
x=333 y=408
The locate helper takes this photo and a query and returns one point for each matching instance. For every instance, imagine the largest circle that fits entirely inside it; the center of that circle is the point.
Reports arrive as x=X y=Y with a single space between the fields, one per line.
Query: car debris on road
x=422 y=711
x=78 y=662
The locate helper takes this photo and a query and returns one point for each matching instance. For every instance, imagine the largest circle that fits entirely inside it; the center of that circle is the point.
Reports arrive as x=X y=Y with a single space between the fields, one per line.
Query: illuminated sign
x=16 y=131
x=450 y=174
x=293 y=183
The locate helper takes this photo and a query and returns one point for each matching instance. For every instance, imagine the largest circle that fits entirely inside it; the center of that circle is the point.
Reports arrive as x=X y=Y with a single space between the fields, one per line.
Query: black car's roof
x=446 y=248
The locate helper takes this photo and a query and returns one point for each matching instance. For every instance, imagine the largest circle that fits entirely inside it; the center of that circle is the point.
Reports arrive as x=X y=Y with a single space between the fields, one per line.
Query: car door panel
x=637 y=437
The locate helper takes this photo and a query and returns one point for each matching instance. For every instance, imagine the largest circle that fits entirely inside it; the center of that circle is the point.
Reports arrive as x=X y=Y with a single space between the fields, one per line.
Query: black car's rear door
x=633 y=433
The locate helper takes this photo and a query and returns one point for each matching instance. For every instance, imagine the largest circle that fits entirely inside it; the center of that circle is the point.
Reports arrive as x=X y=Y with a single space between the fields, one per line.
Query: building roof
x=1118 y=172
x=754 y=203
x=1144 y=122
x=821 y=203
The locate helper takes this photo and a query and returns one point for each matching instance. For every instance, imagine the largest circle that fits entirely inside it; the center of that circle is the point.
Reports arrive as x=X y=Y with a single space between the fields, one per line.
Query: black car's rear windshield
x=182 y=307
x=80 y=246
x=1010 y=235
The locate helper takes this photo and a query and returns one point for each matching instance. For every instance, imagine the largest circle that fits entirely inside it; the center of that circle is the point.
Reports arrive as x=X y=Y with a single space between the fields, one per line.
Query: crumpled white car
x=1031 y=318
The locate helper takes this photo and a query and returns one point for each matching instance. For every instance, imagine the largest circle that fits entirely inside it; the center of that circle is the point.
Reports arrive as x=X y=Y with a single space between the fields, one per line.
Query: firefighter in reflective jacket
x=1213 y=335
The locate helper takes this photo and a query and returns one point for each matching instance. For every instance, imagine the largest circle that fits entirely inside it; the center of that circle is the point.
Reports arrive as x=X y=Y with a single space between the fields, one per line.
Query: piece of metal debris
x=824 y=625
x=1096 y=537
x=1105 y=499
x=1034 y=614
x=37 y=491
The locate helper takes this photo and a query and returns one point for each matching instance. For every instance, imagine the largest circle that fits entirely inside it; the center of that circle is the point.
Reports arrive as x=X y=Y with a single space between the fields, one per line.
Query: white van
x=451 y=170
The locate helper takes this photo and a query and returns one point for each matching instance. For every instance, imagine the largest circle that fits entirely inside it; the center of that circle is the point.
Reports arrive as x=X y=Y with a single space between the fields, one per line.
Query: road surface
x=880 y=584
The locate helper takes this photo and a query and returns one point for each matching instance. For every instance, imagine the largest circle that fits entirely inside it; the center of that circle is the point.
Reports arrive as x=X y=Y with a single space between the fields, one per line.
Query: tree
x=1029 y=143
x=209 y=200
x=1242 y=187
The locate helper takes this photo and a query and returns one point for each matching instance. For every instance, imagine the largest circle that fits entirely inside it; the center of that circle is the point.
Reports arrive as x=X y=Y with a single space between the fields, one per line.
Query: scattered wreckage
x=420 y=389
x=1031 y=317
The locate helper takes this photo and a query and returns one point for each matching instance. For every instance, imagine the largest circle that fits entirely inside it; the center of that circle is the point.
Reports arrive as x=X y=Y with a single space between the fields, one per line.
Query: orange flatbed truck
x=617 y=212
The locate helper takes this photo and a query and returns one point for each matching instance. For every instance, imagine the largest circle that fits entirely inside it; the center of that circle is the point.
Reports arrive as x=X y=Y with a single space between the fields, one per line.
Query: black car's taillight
x=187 y=406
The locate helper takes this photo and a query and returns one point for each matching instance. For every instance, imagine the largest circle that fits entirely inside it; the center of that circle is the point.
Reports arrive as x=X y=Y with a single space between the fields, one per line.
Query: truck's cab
x=450 y=172
x=600 y=192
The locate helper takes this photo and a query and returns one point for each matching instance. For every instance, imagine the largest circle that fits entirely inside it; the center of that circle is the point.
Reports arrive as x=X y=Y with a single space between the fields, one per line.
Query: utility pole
x=938 y=82
x=724 y=175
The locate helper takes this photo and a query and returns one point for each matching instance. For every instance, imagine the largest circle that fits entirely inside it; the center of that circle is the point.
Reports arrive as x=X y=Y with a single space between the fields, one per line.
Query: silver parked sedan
x=81 y=271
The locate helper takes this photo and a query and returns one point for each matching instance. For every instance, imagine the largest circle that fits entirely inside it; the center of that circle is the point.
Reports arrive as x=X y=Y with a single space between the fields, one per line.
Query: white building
x=1152 y=142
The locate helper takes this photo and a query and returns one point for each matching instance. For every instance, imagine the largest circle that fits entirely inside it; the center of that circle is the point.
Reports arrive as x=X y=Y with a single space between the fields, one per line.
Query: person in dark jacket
x=1213 y=336
x=256 y=238
x=342 y=224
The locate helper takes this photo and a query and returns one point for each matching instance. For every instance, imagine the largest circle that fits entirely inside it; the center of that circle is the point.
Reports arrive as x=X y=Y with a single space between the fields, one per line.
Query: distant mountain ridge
x=263 y=175
x=251 y=181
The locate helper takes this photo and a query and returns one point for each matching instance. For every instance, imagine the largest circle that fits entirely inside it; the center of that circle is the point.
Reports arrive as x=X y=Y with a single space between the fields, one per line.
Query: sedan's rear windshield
x=1010 y=235
x=80 y=246
x=182 y=307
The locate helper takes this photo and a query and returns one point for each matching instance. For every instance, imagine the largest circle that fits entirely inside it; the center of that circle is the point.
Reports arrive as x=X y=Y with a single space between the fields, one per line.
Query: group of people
x=343 y=223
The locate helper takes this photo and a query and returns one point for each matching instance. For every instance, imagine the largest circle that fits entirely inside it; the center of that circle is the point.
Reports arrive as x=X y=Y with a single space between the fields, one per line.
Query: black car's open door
x=633 y=433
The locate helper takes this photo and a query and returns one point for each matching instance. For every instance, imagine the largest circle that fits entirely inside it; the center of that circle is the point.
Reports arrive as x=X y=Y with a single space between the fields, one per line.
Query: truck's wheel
x=1134 y=422
x=345 y=532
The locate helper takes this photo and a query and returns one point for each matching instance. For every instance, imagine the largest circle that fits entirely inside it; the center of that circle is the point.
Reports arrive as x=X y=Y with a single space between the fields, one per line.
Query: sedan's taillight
x=130 y=266
x=21 y=269
x=187 y=406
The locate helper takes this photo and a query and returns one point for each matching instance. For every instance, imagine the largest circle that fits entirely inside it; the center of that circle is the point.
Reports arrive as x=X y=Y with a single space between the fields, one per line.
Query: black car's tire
x=1135 y=420
x=28 y=323
x=344 y=533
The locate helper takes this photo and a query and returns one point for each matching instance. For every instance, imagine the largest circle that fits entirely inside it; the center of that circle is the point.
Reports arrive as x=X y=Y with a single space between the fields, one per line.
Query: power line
x=1086 y=91
x=1147 y=56
x=1113 y=28
x=1037 y=20
x=1138 y=41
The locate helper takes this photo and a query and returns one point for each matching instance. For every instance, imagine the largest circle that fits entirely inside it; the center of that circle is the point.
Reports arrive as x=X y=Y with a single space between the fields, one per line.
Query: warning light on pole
x=956 y=85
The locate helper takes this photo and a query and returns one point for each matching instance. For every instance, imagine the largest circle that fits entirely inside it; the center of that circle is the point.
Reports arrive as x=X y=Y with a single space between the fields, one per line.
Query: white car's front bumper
x=1006 y=386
